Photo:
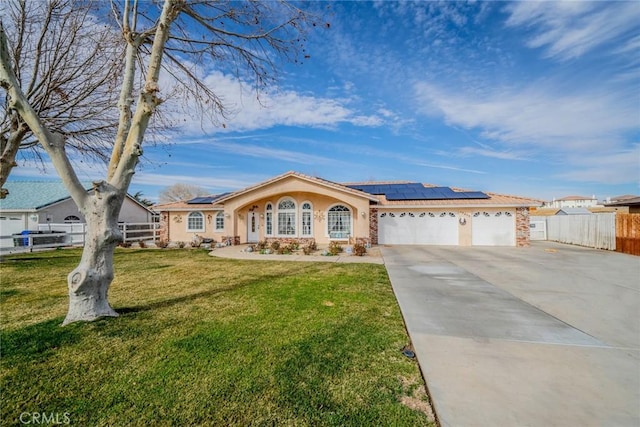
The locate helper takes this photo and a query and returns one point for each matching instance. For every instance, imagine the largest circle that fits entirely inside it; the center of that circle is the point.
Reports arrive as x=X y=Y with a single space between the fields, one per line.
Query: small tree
x=178 y=192
x=178 y=38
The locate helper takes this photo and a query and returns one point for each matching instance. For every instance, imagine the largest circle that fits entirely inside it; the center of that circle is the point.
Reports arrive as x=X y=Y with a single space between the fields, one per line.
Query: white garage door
x=493 y=229
x=418 y=228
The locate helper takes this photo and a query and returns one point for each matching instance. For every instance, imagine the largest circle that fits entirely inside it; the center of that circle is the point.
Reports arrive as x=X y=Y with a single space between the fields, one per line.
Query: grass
x=207 y=341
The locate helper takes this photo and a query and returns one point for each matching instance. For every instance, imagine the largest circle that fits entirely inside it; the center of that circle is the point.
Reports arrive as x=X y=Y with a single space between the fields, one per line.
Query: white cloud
x=587 y=132
x=209 y=182
x=274 y=107
x=617 y=167
x=489 y=152
x=263 y=152
x=569 y=29
x=447 y=167
x=539 y=115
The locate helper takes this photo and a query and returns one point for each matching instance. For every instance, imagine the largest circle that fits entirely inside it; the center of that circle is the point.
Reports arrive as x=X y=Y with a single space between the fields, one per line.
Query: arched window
x=287 y=217
x=71 y=219
x=339 y=222
x=220 y=221
x=195 y=221
x=268 y=219
x=306 y=222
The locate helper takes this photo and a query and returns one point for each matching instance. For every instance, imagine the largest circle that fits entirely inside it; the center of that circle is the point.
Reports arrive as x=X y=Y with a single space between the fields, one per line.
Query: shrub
x=124 y=244
x=359 y=249
x=162 y=243
x=335 y=248
x=285 y=250
x=261 y=245
x=181 y=244
x=309 y=248
x=275 y=245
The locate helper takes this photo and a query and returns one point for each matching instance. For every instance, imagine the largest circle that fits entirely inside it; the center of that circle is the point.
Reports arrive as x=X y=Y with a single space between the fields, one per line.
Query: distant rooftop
x=33 y=195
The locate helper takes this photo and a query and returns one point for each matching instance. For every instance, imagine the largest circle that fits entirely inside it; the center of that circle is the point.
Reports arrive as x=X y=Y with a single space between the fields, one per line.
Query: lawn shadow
x=198 y=295
x=38 y=339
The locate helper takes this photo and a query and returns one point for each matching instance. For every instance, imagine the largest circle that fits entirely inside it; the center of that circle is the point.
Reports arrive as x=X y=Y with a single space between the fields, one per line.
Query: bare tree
x=179 y=38
x=67 y=65
x=177 y=192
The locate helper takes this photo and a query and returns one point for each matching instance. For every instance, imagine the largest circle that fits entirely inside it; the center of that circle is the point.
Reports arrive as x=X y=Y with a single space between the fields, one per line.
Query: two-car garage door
x=442 y=228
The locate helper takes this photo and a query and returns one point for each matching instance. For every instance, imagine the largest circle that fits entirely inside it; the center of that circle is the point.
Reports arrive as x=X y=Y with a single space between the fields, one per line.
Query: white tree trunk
x=89 y=282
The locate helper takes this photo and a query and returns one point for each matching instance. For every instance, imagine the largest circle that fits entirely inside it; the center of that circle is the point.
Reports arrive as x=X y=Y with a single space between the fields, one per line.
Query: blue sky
x=539 y=99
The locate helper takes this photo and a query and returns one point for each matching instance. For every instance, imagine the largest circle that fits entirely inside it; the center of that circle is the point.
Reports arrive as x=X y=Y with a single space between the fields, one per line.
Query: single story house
x=294 y=206
x=32 y=203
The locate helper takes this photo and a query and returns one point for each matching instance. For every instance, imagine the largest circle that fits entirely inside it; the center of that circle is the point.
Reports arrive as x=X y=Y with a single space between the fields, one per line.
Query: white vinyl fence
x=49 y=236
x=594 y=231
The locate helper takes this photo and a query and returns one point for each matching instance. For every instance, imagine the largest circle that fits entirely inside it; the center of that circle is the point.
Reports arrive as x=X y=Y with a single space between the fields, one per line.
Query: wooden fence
x=628 y=233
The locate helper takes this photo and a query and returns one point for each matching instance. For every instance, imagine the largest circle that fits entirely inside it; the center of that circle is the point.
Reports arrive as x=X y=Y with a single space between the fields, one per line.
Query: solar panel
x=417 y=191
x=199 y=200
x=206 y=199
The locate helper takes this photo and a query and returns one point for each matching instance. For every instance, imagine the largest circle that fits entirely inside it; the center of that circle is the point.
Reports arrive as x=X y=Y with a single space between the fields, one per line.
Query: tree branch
x=148 y=99
x=52 y=143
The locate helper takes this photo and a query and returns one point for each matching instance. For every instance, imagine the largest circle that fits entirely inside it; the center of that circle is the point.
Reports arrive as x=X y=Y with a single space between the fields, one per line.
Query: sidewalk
x=239 y=252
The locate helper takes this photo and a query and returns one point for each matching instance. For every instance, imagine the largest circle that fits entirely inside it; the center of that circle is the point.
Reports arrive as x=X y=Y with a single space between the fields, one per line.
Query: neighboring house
x=31 y=203
x=623 y=198
x=574 y=211
x=301 y=207
x=574 y=202
x=631 y=202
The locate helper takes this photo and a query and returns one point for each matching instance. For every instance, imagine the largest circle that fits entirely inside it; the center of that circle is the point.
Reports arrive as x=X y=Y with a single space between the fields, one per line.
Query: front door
x=252 y=228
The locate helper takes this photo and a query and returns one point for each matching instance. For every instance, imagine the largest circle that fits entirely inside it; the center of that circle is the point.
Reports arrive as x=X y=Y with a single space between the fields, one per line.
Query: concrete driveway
x=541 y=336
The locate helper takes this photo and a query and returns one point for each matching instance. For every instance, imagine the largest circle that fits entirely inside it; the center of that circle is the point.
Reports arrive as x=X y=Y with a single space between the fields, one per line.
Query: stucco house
x=301 y=207
x=575 y=202
x=32 y=203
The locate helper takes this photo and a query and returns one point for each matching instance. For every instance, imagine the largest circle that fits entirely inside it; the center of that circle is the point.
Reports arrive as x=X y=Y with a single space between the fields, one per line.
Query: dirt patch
x=416 y=397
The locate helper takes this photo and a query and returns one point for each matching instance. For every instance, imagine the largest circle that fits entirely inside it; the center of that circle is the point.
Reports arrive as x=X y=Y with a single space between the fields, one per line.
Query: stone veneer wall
x=163 y=230
x=522 y=227
x=231 y=240
x=302 y=241
x=373 y=225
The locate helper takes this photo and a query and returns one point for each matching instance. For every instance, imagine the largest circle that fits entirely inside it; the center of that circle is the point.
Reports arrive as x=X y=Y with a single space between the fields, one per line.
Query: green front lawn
x=207 y=341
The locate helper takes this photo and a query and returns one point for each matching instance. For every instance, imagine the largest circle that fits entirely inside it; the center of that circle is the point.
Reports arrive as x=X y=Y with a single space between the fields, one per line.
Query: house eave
x=317 y=181
x=446 y=206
